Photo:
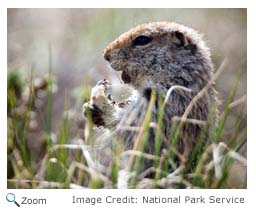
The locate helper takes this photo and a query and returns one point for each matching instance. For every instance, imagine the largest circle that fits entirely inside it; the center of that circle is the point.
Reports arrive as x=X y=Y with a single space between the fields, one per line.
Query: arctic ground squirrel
x=173 y=62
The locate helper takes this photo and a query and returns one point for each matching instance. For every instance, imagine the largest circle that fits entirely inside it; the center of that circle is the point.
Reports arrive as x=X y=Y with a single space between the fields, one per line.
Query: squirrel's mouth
x=125 y=77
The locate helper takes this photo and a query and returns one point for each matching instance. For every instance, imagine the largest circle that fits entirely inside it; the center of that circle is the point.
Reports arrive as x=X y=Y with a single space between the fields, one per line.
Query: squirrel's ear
x=179 y=38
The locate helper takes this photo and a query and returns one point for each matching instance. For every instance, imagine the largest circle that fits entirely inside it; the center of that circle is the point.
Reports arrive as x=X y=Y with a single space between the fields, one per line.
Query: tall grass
x=73 y=164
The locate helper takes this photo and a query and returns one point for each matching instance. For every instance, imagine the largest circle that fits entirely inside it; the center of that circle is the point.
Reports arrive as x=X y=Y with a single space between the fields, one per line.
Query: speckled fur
x=177 y=55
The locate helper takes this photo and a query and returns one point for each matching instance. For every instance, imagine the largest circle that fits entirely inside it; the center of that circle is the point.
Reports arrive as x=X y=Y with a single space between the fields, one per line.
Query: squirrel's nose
x=106 y=55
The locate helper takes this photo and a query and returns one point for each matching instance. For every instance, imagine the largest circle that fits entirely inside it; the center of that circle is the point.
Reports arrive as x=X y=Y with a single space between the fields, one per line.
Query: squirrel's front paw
x=100 y=105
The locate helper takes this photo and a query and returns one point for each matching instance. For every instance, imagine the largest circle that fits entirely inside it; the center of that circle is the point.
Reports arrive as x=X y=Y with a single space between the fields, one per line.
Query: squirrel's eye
x=141 y=40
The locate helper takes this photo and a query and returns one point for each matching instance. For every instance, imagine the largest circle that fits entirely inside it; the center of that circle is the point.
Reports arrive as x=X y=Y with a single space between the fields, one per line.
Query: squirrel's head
x=160 y=54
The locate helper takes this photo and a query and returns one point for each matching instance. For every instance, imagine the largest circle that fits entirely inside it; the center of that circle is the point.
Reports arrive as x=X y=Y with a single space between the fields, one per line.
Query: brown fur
x=174 y=55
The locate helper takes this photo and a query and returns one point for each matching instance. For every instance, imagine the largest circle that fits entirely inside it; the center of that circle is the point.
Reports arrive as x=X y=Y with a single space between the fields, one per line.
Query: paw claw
x=104 y=82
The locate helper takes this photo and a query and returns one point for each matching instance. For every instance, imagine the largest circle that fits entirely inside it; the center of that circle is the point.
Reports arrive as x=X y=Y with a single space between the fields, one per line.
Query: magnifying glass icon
x=10 y=197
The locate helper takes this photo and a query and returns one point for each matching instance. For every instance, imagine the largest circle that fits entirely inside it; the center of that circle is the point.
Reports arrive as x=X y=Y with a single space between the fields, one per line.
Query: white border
x=129 y=4
x=64 y=195
x=3 y=97
x=251 y=101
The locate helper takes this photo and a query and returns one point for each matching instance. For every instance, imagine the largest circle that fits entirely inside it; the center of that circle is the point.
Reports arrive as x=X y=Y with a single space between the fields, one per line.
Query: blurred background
x=70 y=42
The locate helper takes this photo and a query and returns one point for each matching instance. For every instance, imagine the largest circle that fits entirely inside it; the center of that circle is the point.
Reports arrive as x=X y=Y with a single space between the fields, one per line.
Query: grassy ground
x=40 y=157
